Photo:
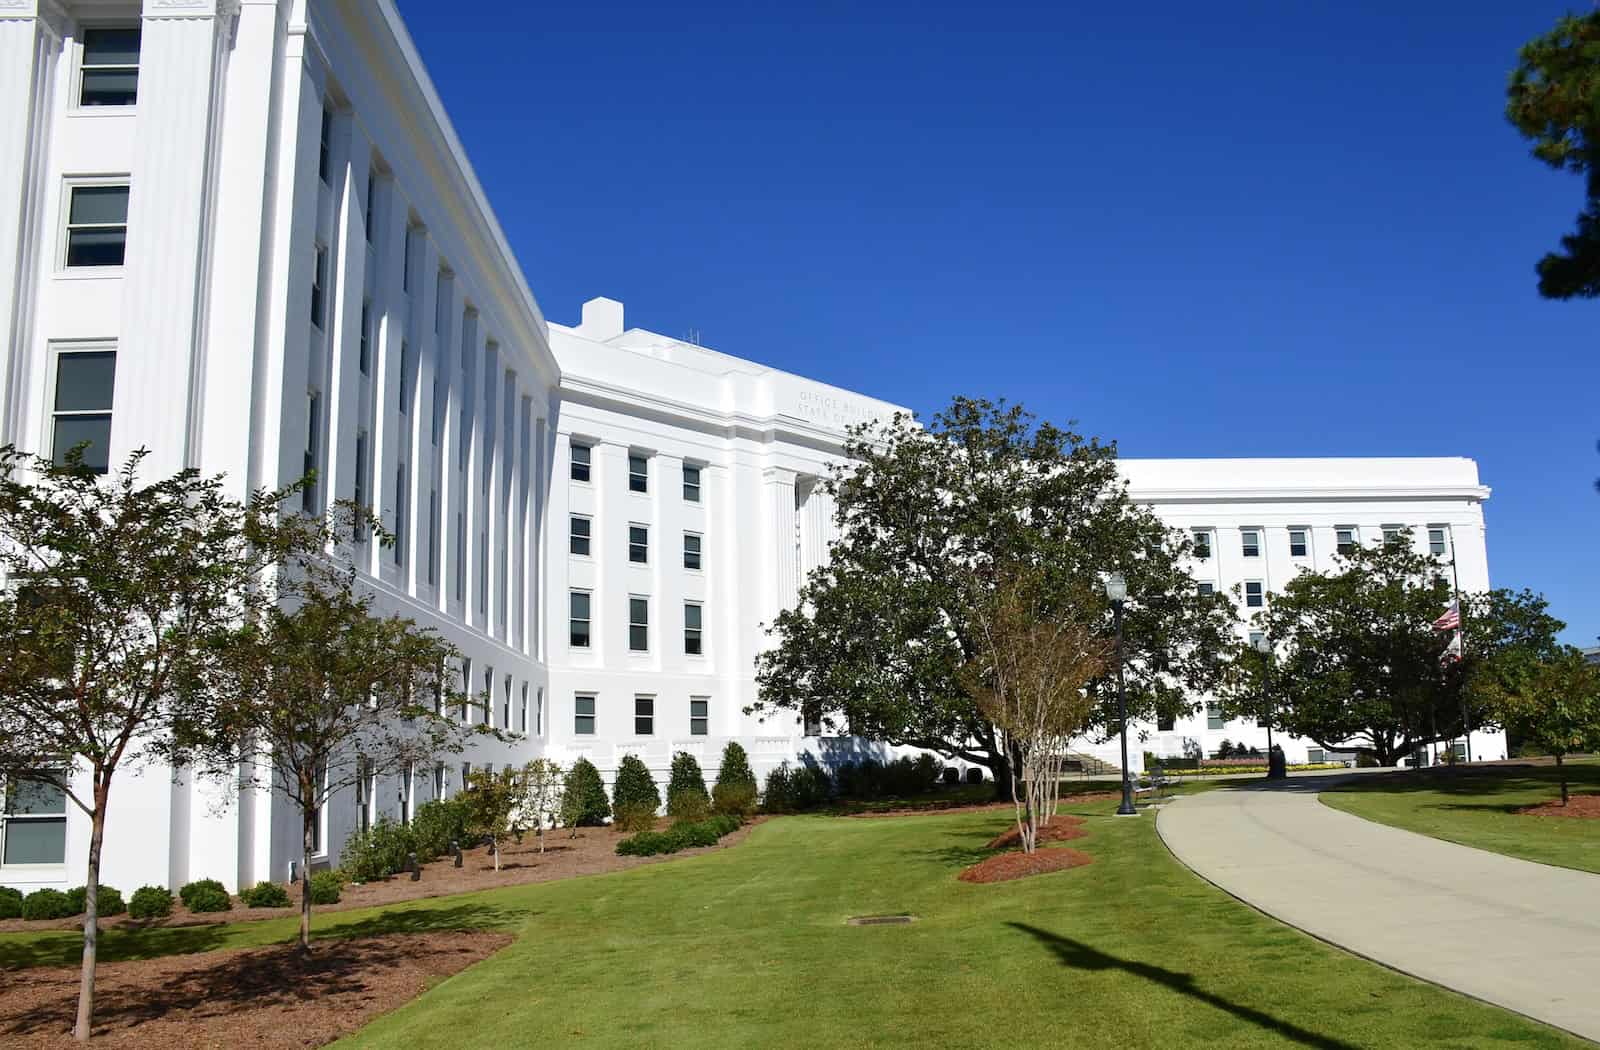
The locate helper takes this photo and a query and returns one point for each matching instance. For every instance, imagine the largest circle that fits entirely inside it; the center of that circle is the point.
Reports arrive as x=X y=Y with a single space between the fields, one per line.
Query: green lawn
x=748 y=947
x=1477 y=806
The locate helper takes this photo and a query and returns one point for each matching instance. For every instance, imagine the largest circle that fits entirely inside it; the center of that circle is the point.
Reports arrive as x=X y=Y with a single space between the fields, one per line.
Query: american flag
x=1451 y=620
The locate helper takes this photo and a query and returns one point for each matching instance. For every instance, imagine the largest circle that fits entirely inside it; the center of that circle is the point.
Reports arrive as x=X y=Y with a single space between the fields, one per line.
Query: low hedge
x=107 y=902
x=1225 y=771
x=205 y=895
x=10 y=902
x=150 y=902
x=325 y=887
x=46 y=904
x=265 y=895
x=683 y=835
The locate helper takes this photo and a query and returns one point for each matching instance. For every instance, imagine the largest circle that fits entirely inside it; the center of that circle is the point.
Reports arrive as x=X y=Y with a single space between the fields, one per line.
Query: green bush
x=150 y=902
x=686 y=785
x=681 y=836
x=10 y=902
x=265 y=895
x=107 y=902
x=46 y=904
x=584 y=803
x=380 y=851
x=635 y=786
x=189 y=889
x=870 y=779
x=206 y=898
x=436 y=825
x=796 y=789
x=689 y=805
x=737 y=800
x=735 y=768
x=634 y=816
x=325 y=887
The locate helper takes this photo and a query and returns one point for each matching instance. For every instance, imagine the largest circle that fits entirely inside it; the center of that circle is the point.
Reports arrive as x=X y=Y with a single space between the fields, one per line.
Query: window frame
x=319 y=288
x=1202 y=537
x=694 y=637
x=1445 y=547
x=69 y=186
x=1392 y=533
x=644 y=714
x=698 y=554
x=637 y=602
x=703 y=718
x=7 y=819
x=578 y=714
x=573 y=538
x=639 y=480
x=586 y=465
x=52 y=380
x=1304 y=532
x=573 y=593
x=325 y=147
x=1345 y=548
x=82 y=65
x=1261 y=594
x=636 y=530
x=1215 y=719
x=694 y=485
x=1250 y=542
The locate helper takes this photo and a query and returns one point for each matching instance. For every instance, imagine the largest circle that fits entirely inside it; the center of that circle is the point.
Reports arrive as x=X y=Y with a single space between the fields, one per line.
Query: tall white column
x=777 y=493
x=167 y=269
x=30 y=40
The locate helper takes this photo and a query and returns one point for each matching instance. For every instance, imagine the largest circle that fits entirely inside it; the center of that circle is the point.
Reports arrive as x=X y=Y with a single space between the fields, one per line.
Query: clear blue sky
x=1236 y=229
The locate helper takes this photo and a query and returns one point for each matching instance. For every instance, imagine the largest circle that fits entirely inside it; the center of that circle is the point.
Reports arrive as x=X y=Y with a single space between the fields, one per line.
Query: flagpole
x=1461 y=626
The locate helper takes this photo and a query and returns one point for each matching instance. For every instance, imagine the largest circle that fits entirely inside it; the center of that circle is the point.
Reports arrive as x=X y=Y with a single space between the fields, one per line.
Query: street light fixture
x=1264 y=647
x=1117 y=592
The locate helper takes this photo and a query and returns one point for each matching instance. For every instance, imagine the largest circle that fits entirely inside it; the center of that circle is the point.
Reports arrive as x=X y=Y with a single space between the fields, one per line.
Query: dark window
x=319 y=286
x=85 y=382
x=1207 y=589
x=35 y=824
x=691 y=483
x=638 y=473
x=1345 y=540
x=644 y=715
x=361 y=480
x=583 y=716
x=1391 y=535
x=639 y=625
x=1436 y=543
x=579 y=542
x=1214 y=719
x=325 y=148
x=308 y=495
x=639 y=544
x=1202 y=544
x=1250 y=543
x=579 y=610
x=110 y=67
x=433 y=537
x=365 y=357
x=1298 y=547
x=691 y=550
x=699 y=716
x=1253 y=596
x=400 y=514
x=372 y=199
x=580 y=462
x=691 y=628
x=1165 y=723
x=97 y=226
x=405 y=375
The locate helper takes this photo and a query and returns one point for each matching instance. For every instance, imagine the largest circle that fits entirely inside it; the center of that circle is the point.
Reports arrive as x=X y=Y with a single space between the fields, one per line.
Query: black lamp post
x=1117 y=591
x=1264 y=647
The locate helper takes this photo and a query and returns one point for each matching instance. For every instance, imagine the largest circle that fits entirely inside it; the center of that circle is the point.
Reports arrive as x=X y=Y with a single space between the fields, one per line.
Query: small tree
x=491 y=801
x=635 y=799
x=325 y=693
x=1034 y=656
x=735 y=790
x=686 y=783
x=583 y=797
x=542 y=792
x=1556 y=708
x=107 y=663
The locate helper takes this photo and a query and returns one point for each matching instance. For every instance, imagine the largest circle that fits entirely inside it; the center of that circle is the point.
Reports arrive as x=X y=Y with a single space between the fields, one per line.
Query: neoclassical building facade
x=244 y=235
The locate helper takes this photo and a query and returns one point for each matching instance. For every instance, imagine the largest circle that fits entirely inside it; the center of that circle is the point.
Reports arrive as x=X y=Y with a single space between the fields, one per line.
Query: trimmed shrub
x=681 y=836
x=974 y=775
x=688 y=805
x=436 y=825
x=187 y=891
x=735 y=768
x=634 y=816
x=686 y=787
x=150 y=902
x=950 y=776
x=325 y=887
x=635 y=786
x=265 y=895
x=46 y=904
x=796 y=789
x=208 y=898
x=737 y=800
x=584 y=803
x=380 y=851
x=10 y=902
x=107 y=902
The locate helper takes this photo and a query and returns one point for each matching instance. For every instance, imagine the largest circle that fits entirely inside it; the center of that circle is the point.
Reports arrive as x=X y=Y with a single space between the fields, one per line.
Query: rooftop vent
x=602 y=319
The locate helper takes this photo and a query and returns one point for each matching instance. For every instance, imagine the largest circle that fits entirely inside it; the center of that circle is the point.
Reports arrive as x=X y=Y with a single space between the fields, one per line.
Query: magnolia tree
x=1033 y=657
x=321 y=691
x=118 y=591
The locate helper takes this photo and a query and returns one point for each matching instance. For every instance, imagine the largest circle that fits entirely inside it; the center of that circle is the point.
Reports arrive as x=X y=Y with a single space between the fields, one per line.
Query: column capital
x=49 y=14
x=188 y=8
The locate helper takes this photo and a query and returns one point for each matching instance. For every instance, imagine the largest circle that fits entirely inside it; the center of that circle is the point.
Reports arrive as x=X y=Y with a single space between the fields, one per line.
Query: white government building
x=243 y=234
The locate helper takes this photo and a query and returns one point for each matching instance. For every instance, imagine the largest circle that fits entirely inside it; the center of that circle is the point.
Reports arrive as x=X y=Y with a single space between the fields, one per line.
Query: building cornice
x=1322 y=493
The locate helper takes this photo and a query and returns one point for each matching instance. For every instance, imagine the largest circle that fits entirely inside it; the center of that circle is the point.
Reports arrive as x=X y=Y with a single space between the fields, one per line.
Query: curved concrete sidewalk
x=1521 y=935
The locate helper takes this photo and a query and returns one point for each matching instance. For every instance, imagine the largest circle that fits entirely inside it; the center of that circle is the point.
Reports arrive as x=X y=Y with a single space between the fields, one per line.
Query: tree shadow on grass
x=475 y=916
x=1472 y=780
x=1079 y=956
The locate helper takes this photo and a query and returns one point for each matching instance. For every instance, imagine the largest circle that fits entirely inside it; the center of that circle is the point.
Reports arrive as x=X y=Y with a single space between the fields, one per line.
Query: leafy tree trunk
x=307 y=827
x=1561 y=771
x=91 y=916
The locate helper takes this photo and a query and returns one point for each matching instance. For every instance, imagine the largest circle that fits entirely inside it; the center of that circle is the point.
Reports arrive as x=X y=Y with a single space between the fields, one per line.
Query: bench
x=1155 y=780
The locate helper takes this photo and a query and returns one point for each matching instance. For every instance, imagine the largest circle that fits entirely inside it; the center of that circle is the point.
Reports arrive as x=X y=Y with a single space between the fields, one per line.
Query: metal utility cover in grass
x=878 y=920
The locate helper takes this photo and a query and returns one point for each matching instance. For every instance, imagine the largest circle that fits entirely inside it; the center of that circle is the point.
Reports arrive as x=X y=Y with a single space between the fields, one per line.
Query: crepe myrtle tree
x=1356 y=662
x=1555 y=707
x=322 y=690
x=118 y=590
x=876 y=643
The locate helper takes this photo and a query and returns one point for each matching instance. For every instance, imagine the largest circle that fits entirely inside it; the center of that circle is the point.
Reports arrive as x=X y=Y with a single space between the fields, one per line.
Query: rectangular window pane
x=644 y=715
x=97 y=225
x=1297 y=543
x=1214 y=719
x=85 y=381
x=1202 y=544
x=1251 y=542
x=691 y=483
x=36 y=841
x=580 y=536
x=580 y=462
x=109 y=46
x=638 y=474
x=27 y=798
x=638 y=625
x=691 y=551
x=1253 y=596
x=109 y=87
x=1436 y=544
x=1207 y=589
x=638 y=544
x=93 y=431
x=579 y=604
x=583 y=718
x=99 y=206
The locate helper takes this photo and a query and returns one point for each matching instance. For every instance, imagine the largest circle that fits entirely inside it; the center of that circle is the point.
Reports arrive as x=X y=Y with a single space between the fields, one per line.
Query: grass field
x=749 y=947
x=1477 y=806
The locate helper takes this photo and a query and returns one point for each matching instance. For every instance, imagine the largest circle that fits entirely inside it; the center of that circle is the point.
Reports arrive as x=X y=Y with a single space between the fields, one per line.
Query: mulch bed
x=592 y=852
x=1004 y=867
x=1060 y=829
x=255 y=997
x=1587 y=806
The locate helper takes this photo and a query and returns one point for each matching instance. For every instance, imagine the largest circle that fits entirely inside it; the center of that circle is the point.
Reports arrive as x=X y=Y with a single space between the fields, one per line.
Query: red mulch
x=255 y=997
x=1004 y=867
x=1587 y=806
x=1060 y=829
x=591 y=852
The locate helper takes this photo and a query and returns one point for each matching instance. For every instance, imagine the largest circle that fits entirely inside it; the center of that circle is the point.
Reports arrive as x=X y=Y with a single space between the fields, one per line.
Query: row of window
x=581 y=535
x=494 y=705
x=582 y=469
x=585 y=722
x=580 y=620
x=1346 y=538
